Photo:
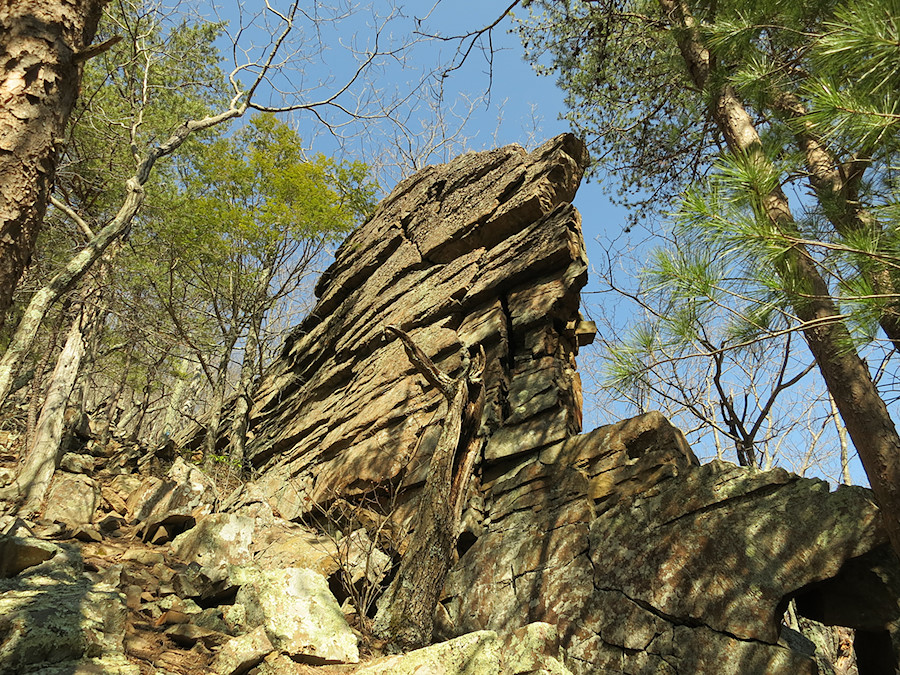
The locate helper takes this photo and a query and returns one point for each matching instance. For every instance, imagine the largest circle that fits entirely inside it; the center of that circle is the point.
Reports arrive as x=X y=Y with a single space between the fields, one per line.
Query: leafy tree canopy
x=832 y=65
x=766 y=136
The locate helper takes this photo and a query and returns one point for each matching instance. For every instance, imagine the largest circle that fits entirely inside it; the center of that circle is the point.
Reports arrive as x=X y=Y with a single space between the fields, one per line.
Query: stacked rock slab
x=650 y=563
x=486 y=249
x=645 y=561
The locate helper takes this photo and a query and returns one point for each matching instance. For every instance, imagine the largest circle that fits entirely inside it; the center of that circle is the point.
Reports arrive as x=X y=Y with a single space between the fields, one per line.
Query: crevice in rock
x=436 y=190
x=512 y=188
x=497 y=158
x=874 y=652
x=729 y=502
x=464 y=542
x=508 y=362
x=687 y=622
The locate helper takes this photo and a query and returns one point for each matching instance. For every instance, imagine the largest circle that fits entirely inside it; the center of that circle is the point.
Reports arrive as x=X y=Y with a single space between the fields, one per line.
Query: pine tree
x=724 y=112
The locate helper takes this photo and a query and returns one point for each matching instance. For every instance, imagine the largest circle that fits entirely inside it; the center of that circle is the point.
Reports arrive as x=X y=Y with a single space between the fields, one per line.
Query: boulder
x=120 y=488
x=299 y=613
x=240 y=654
x=286 y=545
x=115 y=664
x=485 y=249
x=72 y=499
x=75 y=463
x=221 y=541
x=472 y=654
x=534 y=650
x=643 y=560
x=650 y=563
x=52 y=613
x=218 y=539
x=168 y=507
x=19 y=553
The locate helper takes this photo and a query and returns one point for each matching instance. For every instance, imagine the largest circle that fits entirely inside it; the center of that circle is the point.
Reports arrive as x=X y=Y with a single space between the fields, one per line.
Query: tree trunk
x=23 y=339
x=837 y=190
x=846 y=478
x=250 y=367
x=43 y=453
x=220 y=387
x=137 y=418
x=113 y=402
x=406 y=612
x=182 y=398
x=37 y=382
x=847 y=377
x=41 y=51
x=240 y=419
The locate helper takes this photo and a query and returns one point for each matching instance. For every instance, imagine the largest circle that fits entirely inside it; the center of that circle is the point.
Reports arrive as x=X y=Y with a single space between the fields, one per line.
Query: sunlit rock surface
x=643 y=560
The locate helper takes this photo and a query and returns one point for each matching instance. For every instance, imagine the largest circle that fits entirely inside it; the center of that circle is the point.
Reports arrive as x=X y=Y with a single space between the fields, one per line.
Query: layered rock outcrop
x=649 y=563
x=645 y=561
x=486 y=249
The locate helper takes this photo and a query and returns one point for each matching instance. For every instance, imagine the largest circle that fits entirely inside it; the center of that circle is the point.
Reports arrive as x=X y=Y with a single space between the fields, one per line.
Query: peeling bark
x=40 y=55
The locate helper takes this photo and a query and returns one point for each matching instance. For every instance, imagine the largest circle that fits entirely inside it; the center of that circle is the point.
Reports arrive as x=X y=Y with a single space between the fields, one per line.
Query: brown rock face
x=649 y=563
x=643 y=560
x=486 y=249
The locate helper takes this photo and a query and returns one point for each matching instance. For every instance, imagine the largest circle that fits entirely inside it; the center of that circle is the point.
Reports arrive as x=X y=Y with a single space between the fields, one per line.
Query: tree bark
x=847 y=377
x=405 y=617
x=37 y=382
x=250 y=367
x=42 y=49
x=240 y=419
x=181 y=398
x=220 y=387
x=140 y=412
x=113 y=401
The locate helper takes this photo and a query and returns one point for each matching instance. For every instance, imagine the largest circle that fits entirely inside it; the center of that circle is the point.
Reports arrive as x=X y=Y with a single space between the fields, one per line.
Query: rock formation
x=612 y=551
x=644 y=560
x=486 y=249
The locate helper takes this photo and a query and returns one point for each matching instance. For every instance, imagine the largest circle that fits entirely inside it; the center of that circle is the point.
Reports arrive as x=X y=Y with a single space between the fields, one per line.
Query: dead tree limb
x=405 y=617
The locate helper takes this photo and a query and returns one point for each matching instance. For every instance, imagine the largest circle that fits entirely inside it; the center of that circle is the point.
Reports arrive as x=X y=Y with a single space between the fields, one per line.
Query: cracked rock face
x=643 y=560
x=485 y=249
x=649 y=563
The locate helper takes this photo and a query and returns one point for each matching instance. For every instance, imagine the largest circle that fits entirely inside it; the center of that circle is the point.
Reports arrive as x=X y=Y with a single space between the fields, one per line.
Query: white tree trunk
x=250 y=366
x=43 y=453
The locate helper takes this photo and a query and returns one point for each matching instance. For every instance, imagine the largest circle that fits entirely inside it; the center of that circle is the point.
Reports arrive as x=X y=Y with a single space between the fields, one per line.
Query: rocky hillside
x=612 y=551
